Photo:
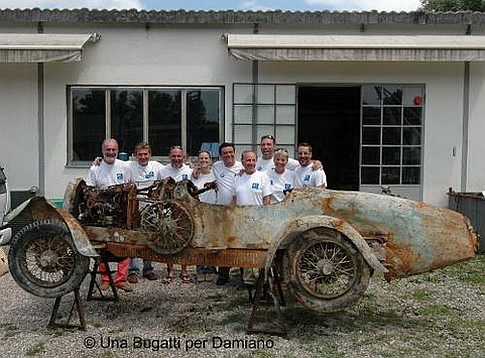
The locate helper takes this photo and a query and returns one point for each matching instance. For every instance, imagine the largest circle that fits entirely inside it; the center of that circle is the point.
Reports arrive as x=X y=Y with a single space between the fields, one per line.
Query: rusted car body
x=327 y=243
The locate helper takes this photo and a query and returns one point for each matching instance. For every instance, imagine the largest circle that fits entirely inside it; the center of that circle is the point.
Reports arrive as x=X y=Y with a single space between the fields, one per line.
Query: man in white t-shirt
x=305 y=174
x=143 y=172
x=266 y=161
x=252 y=187
x=109 y=172
x=179 y=171
x=268 y=147
x=225 y=171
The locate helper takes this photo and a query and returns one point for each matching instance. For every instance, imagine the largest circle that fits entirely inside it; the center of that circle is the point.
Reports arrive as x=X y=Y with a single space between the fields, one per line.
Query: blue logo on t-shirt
x=119 y=177
x=185 y=177
x=307 y=177
x=255 y=186
x=287 y=186
x=150 y=174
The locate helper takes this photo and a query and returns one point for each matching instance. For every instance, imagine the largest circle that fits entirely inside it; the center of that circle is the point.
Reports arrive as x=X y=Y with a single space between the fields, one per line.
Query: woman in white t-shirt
x=281 y=178
x=205 y=175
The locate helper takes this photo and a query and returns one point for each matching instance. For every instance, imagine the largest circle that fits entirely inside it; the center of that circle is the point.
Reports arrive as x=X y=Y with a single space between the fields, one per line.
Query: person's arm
x=97 y=161
x=321 y=179
x=91 y=177
x=316 y=164
x=266 y=200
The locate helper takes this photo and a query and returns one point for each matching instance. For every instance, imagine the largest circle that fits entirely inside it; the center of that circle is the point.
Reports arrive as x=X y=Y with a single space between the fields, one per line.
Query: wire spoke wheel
x=325 y=271
x=44 y=260
x=168 y=227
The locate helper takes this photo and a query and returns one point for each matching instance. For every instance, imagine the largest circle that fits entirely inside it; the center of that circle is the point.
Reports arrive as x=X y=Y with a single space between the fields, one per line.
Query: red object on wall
x=418 y=100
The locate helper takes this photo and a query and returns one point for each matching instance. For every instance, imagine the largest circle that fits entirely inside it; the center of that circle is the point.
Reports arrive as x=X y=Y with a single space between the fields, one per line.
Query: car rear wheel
x=44 y=261
x=325 y=271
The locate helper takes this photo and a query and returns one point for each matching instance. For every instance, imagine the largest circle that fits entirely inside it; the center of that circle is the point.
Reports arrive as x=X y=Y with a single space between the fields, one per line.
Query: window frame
x=71 y=162
x=382 y=127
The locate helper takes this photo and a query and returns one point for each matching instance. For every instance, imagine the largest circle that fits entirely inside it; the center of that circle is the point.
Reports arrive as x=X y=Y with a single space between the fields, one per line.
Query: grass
x=471 y=271
x=35 y=349
x=421 y=295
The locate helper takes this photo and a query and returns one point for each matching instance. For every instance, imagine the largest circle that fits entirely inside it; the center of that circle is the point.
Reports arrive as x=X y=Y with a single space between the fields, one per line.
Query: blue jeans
x=205 y=269
x=134 y=269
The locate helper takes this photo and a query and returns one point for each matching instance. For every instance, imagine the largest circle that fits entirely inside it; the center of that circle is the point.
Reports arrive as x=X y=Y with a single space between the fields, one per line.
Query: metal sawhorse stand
x=271 y=295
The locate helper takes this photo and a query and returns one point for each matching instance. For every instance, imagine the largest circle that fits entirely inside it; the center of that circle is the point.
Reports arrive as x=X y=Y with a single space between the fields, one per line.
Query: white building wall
x=18 y=124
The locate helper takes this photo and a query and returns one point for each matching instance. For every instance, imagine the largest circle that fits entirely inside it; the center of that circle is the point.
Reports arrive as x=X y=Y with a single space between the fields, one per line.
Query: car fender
x=39 y=208
x=300 y=225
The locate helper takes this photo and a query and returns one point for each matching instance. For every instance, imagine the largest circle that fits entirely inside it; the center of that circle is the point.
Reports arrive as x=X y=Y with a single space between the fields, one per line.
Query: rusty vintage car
x=327 y=243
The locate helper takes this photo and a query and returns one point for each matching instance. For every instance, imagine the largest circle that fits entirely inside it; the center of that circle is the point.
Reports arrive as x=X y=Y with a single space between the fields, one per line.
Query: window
x=264 y=109
x=392 y=134
x=190 y=117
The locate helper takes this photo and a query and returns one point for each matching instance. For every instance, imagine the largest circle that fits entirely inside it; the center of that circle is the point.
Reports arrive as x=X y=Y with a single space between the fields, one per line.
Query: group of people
x=251 y=181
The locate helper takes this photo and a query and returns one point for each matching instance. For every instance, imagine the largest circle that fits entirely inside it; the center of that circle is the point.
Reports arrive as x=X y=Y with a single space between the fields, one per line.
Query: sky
x=255 y=5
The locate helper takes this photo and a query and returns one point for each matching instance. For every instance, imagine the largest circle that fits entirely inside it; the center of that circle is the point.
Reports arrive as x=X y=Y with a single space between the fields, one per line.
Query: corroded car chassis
x=330 y=241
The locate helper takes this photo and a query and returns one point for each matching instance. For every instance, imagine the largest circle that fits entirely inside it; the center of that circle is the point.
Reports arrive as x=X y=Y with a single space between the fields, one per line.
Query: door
x=329 y=119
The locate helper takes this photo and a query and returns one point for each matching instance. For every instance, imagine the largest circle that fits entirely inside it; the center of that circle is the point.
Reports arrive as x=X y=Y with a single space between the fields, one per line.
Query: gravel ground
x=439 y=314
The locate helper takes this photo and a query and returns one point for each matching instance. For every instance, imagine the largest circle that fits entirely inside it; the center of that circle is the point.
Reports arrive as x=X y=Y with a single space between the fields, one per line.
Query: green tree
x=453 y=5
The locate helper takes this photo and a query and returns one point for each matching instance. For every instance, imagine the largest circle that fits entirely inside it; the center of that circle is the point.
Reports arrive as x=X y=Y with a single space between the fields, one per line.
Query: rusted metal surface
x=407 y=237
x=40 y=209
x=193 y=256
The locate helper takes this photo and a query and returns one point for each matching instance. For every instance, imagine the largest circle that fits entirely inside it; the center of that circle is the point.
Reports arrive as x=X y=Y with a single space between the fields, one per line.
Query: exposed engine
x=107 y=207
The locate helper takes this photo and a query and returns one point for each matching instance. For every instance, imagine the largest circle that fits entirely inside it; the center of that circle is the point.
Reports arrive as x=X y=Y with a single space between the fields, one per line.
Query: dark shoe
x=223 y=276
x=132 y=278
x=222 y=279
x=150 y=276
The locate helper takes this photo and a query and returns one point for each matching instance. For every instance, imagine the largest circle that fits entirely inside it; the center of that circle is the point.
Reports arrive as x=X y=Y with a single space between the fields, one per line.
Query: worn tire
x=44 y=261
x=324 y=270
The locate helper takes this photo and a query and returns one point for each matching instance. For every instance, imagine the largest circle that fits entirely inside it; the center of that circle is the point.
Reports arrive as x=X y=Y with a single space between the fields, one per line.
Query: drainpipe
x=40 y=122
x=255 y=81
x=466 y=119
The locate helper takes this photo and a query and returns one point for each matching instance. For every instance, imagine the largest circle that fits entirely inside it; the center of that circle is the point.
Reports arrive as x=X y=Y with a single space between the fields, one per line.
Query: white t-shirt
x=249 y=189
x=280 y=182
x=209 y=196
x=104 y=175
x=178 y=174
x=306 y=176
x=225 y=179
x=145 y=175
x=264 y=165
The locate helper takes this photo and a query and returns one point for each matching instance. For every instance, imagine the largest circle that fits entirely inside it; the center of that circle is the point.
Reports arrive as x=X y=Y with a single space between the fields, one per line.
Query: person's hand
x=212 y=185
x=316 y=164
x=97 y=161
x=196 y=173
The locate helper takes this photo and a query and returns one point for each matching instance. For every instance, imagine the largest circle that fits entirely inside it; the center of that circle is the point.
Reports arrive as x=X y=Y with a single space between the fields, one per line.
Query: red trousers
x=121 y=272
